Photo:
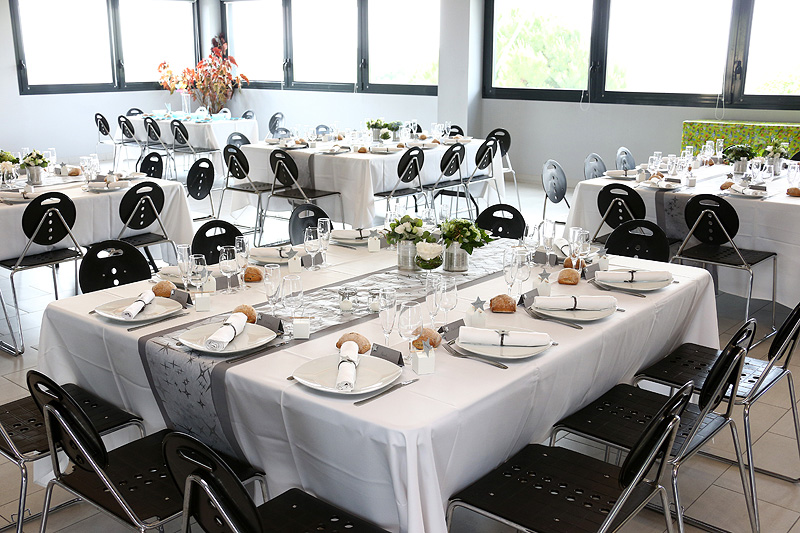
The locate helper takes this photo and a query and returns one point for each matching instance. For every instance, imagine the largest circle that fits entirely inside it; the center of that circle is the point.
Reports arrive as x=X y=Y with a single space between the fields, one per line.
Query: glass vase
x=406 y=255
x=455 y=258
x=186 y=102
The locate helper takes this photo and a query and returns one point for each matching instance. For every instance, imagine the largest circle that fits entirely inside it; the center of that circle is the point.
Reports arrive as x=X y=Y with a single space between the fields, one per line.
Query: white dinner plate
x=372 y=374
x=620 y=174
x=159 y=307
x=451 y=140
x=643 y=286
x=577 y=316
x=266 y=255
x=666 y=185
x=98 y=190
x=345 y=236
x=504 y=352
x=384 y=149
x=425 y=145
x=252 y=337
x=746 y=196
x=19 y=199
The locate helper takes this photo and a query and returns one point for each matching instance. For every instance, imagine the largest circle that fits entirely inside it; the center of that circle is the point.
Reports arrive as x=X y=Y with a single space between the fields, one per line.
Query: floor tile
x=721 y=508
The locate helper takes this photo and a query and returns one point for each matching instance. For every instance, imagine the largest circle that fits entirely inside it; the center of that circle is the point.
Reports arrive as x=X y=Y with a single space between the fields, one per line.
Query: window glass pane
x=542 y=44
x=255 y=37
x=146 y=42
x=325 y=40
x=80 y=54
x=773 y=65
x=644 y=57
x=387 y=64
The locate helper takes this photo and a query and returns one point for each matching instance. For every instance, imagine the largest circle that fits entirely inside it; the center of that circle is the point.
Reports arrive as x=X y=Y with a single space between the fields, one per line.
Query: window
x=773 y=65
x=393 y=64
x=324 y=41
x=146 y=43
x=255 y=38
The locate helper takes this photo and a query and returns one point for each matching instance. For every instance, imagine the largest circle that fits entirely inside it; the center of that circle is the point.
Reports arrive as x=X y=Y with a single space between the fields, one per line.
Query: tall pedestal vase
x=455 y=259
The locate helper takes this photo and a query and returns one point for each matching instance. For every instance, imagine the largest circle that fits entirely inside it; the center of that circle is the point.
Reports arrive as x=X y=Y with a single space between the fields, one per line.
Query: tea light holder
x=347 y=299
x=373 y=300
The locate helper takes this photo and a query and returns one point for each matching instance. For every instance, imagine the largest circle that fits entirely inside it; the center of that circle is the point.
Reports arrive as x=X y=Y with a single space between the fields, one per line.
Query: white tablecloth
x=769 y=225
x=97 y=217
x=396 y=460
x=359 y=176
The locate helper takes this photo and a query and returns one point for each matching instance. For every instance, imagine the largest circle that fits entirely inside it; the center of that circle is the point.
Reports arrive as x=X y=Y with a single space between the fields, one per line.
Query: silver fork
x=534 y=314
x=448 y=346
x=623 y=291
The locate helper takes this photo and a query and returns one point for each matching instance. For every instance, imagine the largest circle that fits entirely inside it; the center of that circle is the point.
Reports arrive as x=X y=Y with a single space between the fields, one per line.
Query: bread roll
x=362 y=150
x=568 y=263
x=726 y=185
x=427 y=334
x=401 y=145
x=793 y=191
x=340 y=137
x=300 y=141
x=163 y=288
x=363 y=343
x=248 y=310
x=422 y=137
x=436 y=141
x=252 y=273
x=74 y=172
x=503 y=303
x=569 y=276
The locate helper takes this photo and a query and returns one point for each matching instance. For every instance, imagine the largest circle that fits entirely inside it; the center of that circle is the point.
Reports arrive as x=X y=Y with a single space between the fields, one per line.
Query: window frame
x=118 y=83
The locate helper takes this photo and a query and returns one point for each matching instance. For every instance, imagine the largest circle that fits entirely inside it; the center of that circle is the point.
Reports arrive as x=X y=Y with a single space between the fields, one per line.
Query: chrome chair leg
x=46 y=507
x=676 y=496
x=748 y=438
x=665 y=508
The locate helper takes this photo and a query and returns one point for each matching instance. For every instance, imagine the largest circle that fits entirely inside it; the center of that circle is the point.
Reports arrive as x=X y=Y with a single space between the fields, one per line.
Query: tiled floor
x=710 y=490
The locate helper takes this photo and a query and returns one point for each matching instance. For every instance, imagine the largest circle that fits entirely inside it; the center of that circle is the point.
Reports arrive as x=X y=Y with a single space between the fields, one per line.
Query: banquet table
x=359 y=176
x=97 y=217
x=397 y=460
x=768 y=224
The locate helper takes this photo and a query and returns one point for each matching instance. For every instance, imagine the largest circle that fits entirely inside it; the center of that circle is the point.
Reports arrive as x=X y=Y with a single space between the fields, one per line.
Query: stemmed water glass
x=227 y=265
x=523 y=267
x=272 y=285
x=387 y=302
x=184 y=263
x=447 y=127
x=391 y=216
x=755 y=168
x=324 y=227
x=510 y=267
x=242 y=246
x=409 y=324
x=433 y=295
x=198 y=271
x=311 y=245
x=292 y=295
x=793 y=174
x=548 y=236
x=449 y=297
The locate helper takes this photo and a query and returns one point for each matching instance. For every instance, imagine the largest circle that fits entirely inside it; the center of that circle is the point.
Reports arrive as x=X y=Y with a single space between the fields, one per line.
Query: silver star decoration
x=373 y=233
x=602 y=251
x=545 y=275
x=426 y=347
x=478 y=304
x=291 y=253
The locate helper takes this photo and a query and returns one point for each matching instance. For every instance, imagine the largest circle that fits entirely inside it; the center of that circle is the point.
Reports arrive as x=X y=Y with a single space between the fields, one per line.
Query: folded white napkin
x=492 y=337
x=270 y=140
x=632 y=275
x=10 y=195
x=379 y=149
x=233 y=326
x=583 y=303
x=348 y=362
x=621 y=173
x=747 y=190
x=276 y=253
x=96 y=185
x=119 y=184
x=350 y=234
x=136 y=307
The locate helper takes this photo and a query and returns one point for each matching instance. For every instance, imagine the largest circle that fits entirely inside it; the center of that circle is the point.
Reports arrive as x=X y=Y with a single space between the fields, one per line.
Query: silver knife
x=387 y=391
x=447 y=346
x=170 y=317
x=534 y=314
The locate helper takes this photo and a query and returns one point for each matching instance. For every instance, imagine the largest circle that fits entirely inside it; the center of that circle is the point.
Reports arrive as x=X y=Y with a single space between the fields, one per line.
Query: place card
x=270 y=322
x=182 y=297
x=220 y=280
x=295 y=265
x=758 y=187
x=309 y=260
x=384 y=352
x=673 y=180
x=540 y=258
x=526 y=298
x=450 y=331
x=590 y=271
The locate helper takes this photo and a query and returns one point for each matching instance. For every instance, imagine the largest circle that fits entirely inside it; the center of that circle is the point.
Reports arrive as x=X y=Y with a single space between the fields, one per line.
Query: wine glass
x=184 y=261
x=311 y=244
x=720 y=147
x=755 y=167
x=272 y=285
x=391 y=216
x=198 y=271
x=242 y=246
x=523 y=267
x=433 y=295
x=409 y=324
x=324 y=227
x=449 y=297
x=768 y=174
x=387 y=302
x=292 y=289
x=793 y=174
x=227 y=265
x=447 y=127
x=548 y=236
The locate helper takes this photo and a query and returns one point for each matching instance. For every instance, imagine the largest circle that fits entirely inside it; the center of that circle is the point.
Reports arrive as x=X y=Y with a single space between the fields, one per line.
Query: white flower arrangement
x=429 y=250
x=6 y=167
x=34 y=159
x=407 y=229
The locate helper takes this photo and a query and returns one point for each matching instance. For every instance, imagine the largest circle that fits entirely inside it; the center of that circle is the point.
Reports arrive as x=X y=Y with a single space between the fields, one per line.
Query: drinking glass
x=433 y=295
x=447 y=127
x=689 y=151
x=391 y=216
x=531 y=240
x=184 y=263
x=198 y=271
x=653 y=163
x=794 y=173
x=583 y=245
x=657 y=155
x=548 y=236
x=523 y=268
x=510 y=267
x=755 y=168
x=449 y=297
x=227 y=265
x=709 y=149
x=272 y=285
x=292 y=295
x=311 y=244
x=49 y=156
x=324 y=227
x=387 y=302
x=769 y=173
x=409 y=324
x=429 y=217
x=25 y=151
x=242 y=246
x=54 y=160
x=720 y=147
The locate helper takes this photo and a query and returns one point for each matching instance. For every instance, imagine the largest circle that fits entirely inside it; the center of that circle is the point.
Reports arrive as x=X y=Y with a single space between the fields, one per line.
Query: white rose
x=428 y=250
x=399 y=229
x=6 y=167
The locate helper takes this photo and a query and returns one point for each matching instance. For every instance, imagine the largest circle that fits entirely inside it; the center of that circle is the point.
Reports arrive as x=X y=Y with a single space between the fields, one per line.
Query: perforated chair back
x=410 y=165
x=249 y=114
x=225 y=112
x=200 y=178
x=486 y=153
x=238 y=139
x=624 y=159
x=503 y=140
x=639 y=238
x=216 y=498
x=284 y=167
x=304 y=216
x=236 y=161
x=127 y=127
x=796 y=157
x=452 y=159
x=282 y=133
x=152 y=129
x=618 y=203
x=211 y=237
x=785 y=340
x=111 y=263
x=134 y=112
x=141 y=205
x=503 y=221
x=275 y=122
x=322 y=129
x=593 y=167
x=48 y=218
x=715 y=213
x=179 y=132
x=554 y=181
x=153 y=165
x=456 y=130
x=722 y=376
x=102 y=125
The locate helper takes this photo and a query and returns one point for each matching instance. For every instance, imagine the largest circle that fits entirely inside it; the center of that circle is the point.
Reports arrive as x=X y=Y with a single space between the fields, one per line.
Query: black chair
x=152 y=165
x=617 y=203
x=128 y=138
x=796 y=157
x=285 y=184
x=555 y=490
x=275 y=122
x=624 y=159
x=199 y=182
x=451 y=162
x=104 y=137
x=282 y=133
x=215 y=498
x=46 y=221
x=249 y=114
x=714 y=222
x=129 y=484
x=504 y=142
x=237 y=139
x=112 y=263
x=153 y=141
x=503 y=221
x=23 y=438
x=593 y=167
x=212 y=236
x=639 y=238
x=304 y=216
x=456 y=130
x=322 y=129
x=409 y=170
x=134 y=112
x=484 y=170
x=181 y=145
x=554 y=182
x=139 y=209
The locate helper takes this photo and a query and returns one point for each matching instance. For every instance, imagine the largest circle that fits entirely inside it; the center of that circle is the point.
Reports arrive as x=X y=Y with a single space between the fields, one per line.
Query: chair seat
x=724 y=255
x=42 y=259
x=602 y=238
x=260 y=186
x=552 y=489
x=197 y=150
x=24 y=423
x=297 y=511
x=399 y=192
x=481 y=177
x=295 y=194
x=145 y=239
x=139 y=472
x=445 y=184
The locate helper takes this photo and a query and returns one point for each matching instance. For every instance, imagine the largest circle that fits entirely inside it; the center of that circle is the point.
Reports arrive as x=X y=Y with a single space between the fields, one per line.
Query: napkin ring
x=574 y=303
x=231 y=325
x=360 y=234
x=345 y=360
x=632 y=273
x=282 y=251
x=502 y=333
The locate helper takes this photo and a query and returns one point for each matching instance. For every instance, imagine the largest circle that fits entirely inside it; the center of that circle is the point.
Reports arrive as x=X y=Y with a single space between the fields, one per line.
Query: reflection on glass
x=315 y=23
x=255 y=38
x=773 y=66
